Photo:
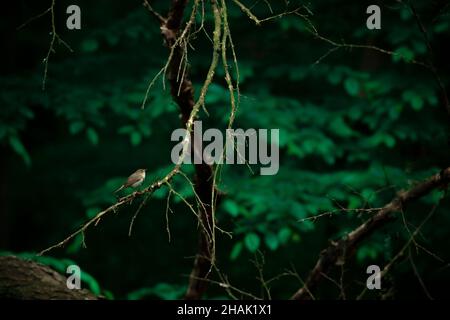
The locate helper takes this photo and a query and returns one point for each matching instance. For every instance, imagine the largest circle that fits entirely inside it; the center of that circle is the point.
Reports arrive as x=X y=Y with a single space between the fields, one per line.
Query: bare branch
x=337 y=251
x=402 y=251
x=34 y=18
x=419 y=278
x=258 y=21
x=54 y=36
x=158 y=17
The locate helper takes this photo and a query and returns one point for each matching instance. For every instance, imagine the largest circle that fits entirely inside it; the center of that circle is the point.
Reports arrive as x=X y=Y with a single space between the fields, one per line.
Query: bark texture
x=26 y=280
x=182 y=92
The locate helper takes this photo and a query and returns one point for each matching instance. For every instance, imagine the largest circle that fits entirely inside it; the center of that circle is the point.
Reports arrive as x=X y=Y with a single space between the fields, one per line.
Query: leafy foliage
x=356 y=126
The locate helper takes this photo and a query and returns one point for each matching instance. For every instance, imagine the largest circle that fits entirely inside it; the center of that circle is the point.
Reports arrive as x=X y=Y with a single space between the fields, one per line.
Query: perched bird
x=134 y=180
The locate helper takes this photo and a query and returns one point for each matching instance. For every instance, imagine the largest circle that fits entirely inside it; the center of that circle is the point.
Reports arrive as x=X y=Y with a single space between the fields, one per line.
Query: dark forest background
x=356 y=126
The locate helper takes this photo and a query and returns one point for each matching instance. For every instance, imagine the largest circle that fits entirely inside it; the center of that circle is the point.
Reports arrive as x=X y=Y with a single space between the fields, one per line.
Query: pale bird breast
x=137 y=183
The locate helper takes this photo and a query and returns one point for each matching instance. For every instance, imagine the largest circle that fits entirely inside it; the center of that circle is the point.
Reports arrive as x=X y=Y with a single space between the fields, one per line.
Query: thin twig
x=419 y=278
x=338 y=250
x=158 y=16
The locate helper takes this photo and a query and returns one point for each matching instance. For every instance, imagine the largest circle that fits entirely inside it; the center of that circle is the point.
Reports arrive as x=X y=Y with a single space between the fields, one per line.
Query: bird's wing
x=135 y=177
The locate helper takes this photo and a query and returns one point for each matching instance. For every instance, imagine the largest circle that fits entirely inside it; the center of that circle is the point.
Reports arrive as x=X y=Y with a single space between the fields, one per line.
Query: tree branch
x=338 y=251
x=158 y=17
x=24 y=279
x=182 y=92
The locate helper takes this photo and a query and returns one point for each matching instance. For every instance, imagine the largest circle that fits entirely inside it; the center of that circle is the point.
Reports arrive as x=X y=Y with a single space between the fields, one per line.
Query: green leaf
x=92 y=212
x=432 y=100
x=403 y=53
x=271 y=241
x=56 y=264
x=389 y=141
x=231 y=207
x=135 y=97
x=91 y=282
x=125 y=129
x=108 y=294
x=175 y=292
x=414 y=99
x=284 y=138
x=135 y=138
x=335 y=76
x=139 y=294
x=420 y=47
x=307 y=225
x=89 y=45
x=76 y=127
x=366 y=252
x=162 y=290
x=340 y=128
x=92 y=136
x=112 y=39
x=167 y=291
x=434 y=197
x=145 y=129
x=354 y=202
x=284 y=235
x=76 y=245
x=252 y=241
x=296 y=238
x=27 y=113
x=405 y=13
x=216 y=93
x=236 y=251
x=298 y=211
x=441 y=27
x=351 y=85
x=417 y=102
x=19 y=148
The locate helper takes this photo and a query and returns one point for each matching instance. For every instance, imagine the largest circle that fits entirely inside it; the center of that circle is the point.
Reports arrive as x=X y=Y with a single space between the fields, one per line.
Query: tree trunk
x=26 y=279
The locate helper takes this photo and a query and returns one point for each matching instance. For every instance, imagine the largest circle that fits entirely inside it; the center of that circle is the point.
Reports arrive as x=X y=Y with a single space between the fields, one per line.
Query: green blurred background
x=356 y=126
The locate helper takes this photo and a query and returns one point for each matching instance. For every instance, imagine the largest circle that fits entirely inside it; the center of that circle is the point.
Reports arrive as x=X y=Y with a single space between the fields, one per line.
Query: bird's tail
x=121 y=187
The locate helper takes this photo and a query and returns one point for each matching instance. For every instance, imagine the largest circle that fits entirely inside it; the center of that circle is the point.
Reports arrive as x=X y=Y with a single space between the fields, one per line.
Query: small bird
x=134 y=180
